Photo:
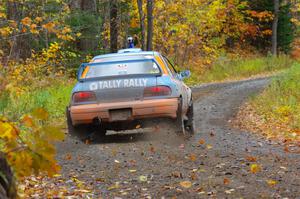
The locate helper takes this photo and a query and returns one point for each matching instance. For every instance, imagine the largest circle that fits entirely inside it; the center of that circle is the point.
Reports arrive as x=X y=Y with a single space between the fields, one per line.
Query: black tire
x=72 y=130
x=84 y=131
x=179 y=122
x=189 y=124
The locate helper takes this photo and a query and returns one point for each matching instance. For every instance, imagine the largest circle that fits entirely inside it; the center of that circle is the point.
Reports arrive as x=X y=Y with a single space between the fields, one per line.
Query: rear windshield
x=140 y=67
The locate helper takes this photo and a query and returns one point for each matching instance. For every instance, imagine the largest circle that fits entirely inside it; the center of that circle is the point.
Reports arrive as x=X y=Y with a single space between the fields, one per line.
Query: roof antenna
x=130 y=42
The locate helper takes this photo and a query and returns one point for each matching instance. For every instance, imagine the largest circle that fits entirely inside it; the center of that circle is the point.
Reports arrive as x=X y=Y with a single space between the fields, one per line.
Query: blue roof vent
x=130 y=50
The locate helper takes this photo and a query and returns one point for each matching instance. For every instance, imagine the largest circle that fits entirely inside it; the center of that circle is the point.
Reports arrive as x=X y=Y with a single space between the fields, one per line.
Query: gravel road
x=214 y=163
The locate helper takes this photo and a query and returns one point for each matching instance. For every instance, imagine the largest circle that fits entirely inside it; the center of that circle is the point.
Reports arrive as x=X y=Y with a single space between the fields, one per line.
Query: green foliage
x=286 y=29
x=53 y=99
x=225 y=68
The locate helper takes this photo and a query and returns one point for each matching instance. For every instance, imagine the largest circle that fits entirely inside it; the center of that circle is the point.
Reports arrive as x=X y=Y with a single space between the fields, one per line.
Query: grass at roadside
x=53 y=99
x=226 y=69
x=276 y=112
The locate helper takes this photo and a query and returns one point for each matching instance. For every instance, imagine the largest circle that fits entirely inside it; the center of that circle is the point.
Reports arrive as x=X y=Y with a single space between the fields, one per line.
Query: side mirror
x=185 y=74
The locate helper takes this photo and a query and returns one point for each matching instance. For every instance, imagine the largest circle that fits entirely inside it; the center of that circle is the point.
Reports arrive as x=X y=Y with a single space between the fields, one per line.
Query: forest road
x=214 y=163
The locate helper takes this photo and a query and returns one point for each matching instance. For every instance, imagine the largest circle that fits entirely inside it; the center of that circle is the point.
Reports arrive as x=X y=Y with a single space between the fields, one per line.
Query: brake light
x=157 y=91
x=84 y=97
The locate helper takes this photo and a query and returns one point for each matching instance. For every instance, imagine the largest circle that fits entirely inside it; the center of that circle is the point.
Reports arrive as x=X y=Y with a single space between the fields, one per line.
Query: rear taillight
x=84 y=97
x=157 y=91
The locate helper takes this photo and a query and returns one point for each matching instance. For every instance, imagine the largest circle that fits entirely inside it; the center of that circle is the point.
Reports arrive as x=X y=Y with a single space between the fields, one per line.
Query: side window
x=170 y=66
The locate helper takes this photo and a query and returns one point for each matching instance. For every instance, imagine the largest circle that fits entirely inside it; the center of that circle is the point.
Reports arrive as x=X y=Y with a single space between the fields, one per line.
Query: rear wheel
x=189 y=124
x=179 y=122
x=184 y=124
x=84 y=131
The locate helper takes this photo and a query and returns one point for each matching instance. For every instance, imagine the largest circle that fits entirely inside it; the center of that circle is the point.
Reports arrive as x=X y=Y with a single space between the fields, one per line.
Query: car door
x=184 y=89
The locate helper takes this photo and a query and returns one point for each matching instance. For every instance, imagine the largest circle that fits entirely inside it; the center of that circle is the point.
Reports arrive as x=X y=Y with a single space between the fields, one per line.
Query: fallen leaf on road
x=115 y=186
x=117 y=161
x=186 y=184
x=251 y=159
x=209 y=146
x=226 y=181
x=193 y=157
x=201 y=142
x=194 y=176
x=177 y=174
x=254 y=168
x=68 y=157
x=229 y=191
x=143 y=178
x=152 y=149
x=271 y=183
x=132 y=171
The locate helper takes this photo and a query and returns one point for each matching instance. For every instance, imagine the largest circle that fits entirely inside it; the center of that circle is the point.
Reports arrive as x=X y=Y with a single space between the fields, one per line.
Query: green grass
x=53 y=99
x=226 y=69
x=281 y=100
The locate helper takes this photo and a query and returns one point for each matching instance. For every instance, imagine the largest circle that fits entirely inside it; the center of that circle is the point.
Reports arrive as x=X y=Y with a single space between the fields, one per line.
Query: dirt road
x=159 y=164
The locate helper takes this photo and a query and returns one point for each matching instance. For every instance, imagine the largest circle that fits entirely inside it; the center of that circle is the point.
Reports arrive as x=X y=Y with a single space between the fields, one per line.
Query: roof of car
x=127 y=52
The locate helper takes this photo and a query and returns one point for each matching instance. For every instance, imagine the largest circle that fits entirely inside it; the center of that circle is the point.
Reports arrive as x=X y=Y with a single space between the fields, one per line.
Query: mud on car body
x=117 y=91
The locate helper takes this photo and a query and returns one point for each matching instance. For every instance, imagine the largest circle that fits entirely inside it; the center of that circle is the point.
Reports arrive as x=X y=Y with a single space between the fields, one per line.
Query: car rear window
x=139 y=67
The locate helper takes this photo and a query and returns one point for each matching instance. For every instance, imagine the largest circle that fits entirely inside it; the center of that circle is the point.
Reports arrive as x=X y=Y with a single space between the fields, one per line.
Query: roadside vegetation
x=241 y=68
x=276 y=111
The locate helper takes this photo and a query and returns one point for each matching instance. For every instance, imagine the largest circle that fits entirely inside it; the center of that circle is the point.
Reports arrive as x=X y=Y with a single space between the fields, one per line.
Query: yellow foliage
x=26 y=21
x=29 y=149
x=5 y=31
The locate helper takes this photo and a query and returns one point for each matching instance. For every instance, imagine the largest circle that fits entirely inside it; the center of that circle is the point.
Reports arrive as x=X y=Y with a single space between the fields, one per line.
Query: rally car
x=121 y=90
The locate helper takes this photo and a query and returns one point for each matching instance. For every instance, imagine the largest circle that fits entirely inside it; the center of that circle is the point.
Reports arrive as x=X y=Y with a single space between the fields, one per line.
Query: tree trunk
x=275 y=27
x=8 y=188
x=113 y=25
x=150 y=4
x=142 y=22
x=20 y=47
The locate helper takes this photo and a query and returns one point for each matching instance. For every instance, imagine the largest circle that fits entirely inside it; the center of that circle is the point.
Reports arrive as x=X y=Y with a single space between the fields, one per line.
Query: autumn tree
x=272 y=24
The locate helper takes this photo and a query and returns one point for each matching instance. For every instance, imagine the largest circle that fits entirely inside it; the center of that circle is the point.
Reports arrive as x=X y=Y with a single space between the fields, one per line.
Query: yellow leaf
x=143 y=178
x=254 y=168
x=26 y=21
x=2 y=15
x=7 y=131
x=271 y=182
x=209 y=146
x=186 y=184
x=38 y=19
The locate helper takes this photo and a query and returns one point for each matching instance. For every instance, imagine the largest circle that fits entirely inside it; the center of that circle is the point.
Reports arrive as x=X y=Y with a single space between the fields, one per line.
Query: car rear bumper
x=86 y=114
